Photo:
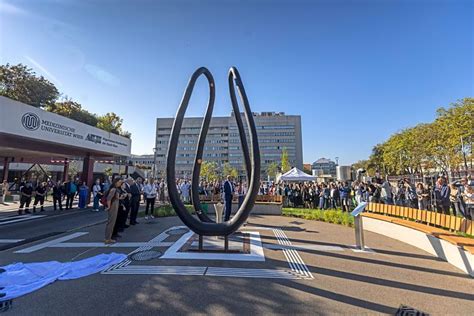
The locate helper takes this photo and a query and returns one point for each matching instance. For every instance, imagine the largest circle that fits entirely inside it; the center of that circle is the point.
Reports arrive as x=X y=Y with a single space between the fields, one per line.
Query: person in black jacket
x=134 y=202
x=124 y=207
x=40 y=194
x=25 y=200
x=58 y=192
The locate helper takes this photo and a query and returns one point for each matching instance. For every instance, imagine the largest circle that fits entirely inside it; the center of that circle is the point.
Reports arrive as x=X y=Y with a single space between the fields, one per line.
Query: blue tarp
x=23 y=278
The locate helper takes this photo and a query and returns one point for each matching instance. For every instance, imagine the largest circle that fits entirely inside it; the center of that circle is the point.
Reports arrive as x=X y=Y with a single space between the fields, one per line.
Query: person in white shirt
x=185 y=191
x=150 y=190
x=97 y=193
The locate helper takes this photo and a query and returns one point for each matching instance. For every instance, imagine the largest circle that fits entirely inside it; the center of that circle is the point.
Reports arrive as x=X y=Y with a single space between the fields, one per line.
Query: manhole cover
x=145 y=255
x=178 y=231
x=409 y=311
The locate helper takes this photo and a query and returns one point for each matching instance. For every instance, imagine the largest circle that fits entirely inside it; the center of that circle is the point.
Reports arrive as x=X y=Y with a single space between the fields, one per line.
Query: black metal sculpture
x=204 y=226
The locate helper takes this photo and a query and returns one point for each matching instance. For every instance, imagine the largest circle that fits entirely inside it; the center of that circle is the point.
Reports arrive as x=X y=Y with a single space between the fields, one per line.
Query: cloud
x=44 y=70
x=11 y=9
x=102 y=75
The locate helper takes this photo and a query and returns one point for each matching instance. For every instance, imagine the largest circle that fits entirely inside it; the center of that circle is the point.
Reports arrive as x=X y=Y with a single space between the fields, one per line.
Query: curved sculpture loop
x=204 y=225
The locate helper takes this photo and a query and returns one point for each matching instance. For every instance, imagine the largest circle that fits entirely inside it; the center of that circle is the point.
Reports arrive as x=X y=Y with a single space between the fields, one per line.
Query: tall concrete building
x=276 y=131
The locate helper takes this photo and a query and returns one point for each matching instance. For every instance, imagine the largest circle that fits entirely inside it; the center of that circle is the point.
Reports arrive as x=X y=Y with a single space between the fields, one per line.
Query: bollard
x=359 y=227
x=359 y=232
x=219 y=208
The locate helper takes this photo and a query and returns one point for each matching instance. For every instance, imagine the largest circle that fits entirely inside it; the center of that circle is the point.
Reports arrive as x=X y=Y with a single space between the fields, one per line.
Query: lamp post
x=154 y=163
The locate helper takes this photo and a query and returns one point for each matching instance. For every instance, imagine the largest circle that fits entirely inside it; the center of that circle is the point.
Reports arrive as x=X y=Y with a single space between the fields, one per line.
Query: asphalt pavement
x=339 y=280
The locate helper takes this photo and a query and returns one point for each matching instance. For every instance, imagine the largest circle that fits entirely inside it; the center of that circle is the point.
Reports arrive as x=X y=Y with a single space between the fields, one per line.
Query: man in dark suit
x=228 y=195
x=134 y=202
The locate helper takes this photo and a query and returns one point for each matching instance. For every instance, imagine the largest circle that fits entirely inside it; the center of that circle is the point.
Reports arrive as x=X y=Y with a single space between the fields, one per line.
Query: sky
x=356 y=71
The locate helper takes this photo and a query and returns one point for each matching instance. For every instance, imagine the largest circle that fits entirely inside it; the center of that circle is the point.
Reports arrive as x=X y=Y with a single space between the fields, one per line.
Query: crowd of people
x=122 y=197
x=456 y=198
x=34 y=194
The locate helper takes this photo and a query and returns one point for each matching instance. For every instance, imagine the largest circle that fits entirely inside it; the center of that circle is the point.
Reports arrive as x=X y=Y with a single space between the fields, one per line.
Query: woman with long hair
x=113 y=196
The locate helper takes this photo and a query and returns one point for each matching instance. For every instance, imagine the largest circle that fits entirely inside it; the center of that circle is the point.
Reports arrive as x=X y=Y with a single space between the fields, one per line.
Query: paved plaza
x=286 y=266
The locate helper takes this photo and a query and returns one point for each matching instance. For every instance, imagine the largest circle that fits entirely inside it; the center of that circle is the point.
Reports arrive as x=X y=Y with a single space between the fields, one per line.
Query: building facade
x=276 y=131
x=143 y=161
x=324 y=166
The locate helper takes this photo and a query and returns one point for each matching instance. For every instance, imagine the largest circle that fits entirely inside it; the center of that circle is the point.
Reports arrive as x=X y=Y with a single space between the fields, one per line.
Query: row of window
x=234 y=127
x=192 y=141
x=212 y=128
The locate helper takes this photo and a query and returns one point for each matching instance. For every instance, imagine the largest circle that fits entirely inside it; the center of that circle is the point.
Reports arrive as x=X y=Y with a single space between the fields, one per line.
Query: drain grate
x=404 y=310
x=5 y=305
x=145 y=255
x=177 y=231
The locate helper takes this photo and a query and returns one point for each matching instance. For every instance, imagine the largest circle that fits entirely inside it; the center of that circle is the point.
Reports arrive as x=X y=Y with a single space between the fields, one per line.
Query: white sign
x=23 y=120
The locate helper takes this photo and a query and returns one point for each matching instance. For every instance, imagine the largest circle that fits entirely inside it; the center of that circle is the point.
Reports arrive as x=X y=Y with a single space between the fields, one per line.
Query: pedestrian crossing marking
x=18 y=218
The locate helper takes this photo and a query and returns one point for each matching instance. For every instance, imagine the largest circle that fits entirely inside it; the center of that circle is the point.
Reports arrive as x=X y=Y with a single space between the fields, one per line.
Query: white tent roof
x=296 y=174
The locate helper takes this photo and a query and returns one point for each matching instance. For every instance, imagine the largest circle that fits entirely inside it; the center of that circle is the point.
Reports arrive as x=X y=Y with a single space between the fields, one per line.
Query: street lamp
x=154 y=163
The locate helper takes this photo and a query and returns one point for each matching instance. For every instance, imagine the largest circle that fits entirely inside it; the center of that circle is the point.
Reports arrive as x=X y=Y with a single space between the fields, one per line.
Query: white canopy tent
x=296 y=174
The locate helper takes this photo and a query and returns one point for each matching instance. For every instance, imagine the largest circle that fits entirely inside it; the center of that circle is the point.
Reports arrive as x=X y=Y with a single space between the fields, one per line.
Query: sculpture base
x=235 y=243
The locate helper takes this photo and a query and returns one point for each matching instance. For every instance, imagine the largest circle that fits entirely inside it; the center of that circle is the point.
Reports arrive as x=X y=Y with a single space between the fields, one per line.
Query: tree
x=73 y=110
x=273 y=169
x=21 y=83
x=227 y=169
x=108 y=172
x=285 y=164
x=435 y=145
x=111 y=122
x=209 y=171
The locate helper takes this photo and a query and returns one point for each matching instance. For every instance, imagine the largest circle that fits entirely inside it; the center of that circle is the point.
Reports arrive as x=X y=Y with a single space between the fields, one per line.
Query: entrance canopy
x=29 y=132
x=296 y=174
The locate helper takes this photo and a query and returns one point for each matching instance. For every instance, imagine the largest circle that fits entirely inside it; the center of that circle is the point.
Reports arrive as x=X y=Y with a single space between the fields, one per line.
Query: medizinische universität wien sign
x=23 y=120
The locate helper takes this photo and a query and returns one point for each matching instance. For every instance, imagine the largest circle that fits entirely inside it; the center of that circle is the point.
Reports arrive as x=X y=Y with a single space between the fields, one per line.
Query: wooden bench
x=413 y=218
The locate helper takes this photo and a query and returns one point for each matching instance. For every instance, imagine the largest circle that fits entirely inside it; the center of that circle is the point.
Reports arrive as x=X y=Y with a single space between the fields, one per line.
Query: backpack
x=73 y=187
x=103 y=200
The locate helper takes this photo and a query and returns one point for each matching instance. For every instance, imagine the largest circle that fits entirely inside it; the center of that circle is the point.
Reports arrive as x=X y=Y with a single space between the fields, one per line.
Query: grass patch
x=465 y=235
x=166 y=211
x=328 y=216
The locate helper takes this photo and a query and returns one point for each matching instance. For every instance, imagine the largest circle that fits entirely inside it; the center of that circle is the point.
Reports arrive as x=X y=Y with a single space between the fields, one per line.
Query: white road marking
x=298 y=268
x=204 y=271
x=170 y=270
x=366 y=249
x=250 y=273
x=303 y=247
x=256 y=251
x=10 y=241
x=295 y=261
x=20 y=218
x=51 y=242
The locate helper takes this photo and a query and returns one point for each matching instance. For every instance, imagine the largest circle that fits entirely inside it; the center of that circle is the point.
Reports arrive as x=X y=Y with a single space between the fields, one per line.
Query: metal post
x=226 y=243
x=359 y=232
x=65 y=170
x=200 y=243
x=154 y=163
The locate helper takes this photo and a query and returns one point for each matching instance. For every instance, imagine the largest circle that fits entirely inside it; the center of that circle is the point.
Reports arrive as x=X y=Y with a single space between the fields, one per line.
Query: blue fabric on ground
x=23 y=278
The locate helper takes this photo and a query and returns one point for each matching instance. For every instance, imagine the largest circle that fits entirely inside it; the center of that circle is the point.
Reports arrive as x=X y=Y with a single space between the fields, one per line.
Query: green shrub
x=329 y=216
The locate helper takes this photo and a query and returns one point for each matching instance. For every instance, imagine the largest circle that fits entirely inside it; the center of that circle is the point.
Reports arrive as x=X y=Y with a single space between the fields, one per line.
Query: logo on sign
x=30 y=121
x=94 y=138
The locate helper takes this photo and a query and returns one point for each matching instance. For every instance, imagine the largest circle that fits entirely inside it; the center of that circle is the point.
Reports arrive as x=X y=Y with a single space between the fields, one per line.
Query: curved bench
x=455 y=249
